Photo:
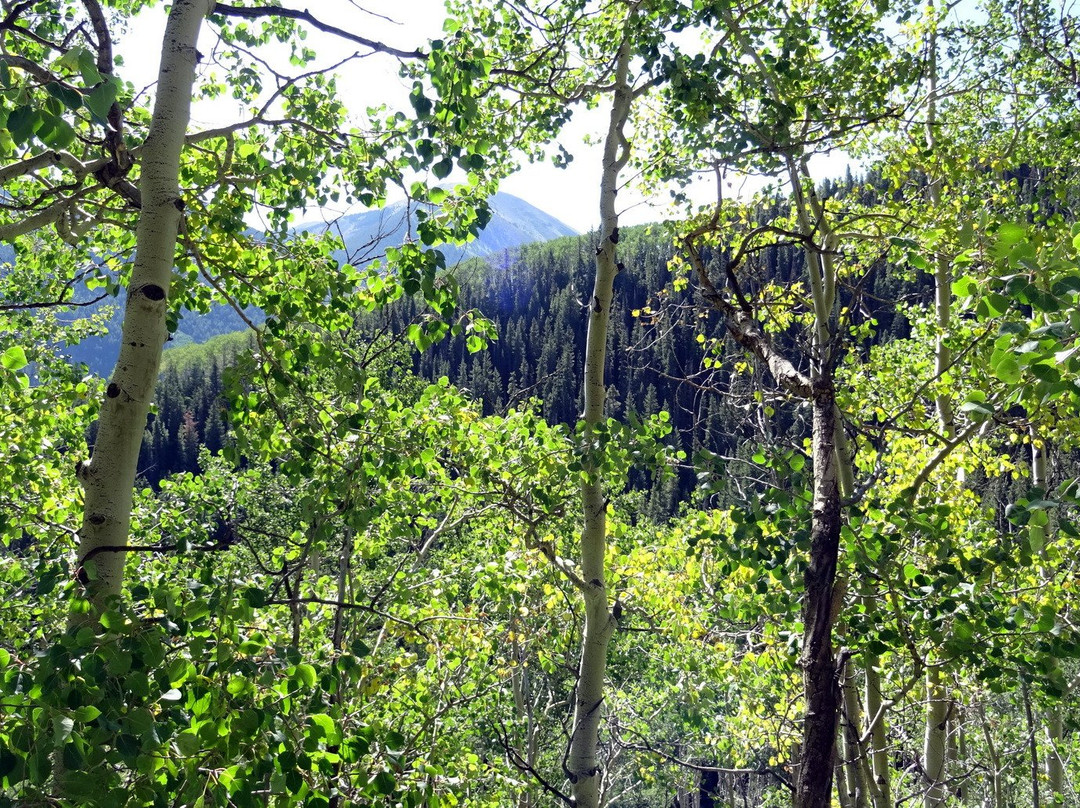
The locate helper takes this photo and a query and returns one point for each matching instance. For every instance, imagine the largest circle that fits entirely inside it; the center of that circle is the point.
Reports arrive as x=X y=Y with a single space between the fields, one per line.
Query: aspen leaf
x=14 y=358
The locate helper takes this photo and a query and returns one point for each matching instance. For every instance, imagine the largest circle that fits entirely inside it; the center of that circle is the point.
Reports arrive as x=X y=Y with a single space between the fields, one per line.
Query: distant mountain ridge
x=514 y=223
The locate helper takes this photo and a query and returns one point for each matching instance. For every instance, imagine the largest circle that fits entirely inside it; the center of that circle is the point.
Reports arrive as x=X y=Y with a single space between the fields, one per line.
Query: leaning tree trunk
x=582 y=766
x=109 y=476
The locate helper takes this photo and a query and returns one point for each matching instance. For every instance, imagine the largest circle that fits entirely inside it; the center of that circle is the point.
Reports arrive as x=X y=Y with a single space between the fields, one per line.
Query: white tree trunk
x=937 y=706
x=582 y=765
x=937 y=720
x=879 y=743
x=109 y=477
x=1055 y=770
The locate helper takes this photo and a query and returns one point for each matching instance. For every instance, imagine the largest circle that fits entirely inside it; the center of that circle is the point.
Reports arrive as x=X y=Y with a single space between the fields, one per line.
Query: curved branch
x=306 y=16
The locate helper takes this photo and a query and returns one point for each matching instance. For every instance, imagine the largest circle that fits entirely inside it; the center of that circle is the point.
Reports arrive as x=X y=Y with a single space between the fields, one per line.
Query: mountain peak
x=514 y=222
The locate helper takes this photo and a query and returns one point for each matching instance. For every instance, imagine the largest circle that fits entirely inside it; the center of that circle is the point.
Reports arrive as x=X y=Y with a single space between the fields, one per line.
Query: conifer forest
x=773 y=501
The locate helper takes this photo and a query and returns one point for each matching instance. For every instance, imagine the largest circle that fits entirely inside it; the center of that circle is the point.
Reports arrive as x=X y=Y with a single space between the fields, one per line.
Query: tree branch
x=306 y=16
x=745 y=330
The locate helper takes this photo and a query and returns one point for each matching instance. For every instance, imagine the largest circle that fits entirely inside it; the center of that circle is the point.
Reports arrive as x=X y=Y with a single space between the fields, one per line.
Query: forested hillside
x=535 y=297
x=364 y=238
x=772 y=503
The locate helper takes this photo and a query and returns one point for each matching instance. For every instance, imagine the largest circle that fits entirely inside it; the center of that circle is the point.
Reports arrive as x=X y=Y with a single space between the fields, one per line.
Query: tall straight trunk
x=856 y=762
x=108 y=478
x=582 y=766
x=993 y=771
x=1055 y=770
x=831 y=458
x=934 y=745
x=879 y=743
x=1033 y=746
x=937 y=704
x=844 y=790
x=956 y=753
x=833 y=477
x=820 y=687
x=524 y=708
x=334 y=799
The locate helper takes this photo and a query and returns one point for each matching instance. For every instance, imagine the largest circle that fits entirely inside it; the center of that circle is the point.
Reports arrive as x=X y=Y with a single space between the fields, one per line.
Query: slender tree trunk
x=937 y=719
x=879 y=751
x=1055 y=769
x=820 y=687
x=1033 y=746
x=957 y=752
x=524 y=707
x=344 y=581
x=832 y=477
x=582 y=766
x=997 y=799
x=109 y=476
x=1055 y=772
x=937 y=705
x=859 y=783
x=844 y=790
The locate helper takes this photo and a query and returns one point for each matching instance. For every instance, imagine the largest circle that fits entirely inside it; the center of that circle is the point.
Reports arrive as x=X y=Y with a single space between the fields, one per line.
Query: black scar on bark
x=153 y=292
x=113 y=390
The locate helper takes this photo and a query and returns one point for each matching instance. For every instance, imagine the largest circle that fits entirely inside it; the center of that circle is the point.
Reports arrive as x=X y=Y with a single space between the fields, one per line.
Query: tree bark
x=108 y=478
x=937 y=721
x=879 y=751
x=1055 y=770
x=993 y=771
x=1033 y=746
x=820 y=686
x=937 y=705
x=582 y=766
x=856 y=764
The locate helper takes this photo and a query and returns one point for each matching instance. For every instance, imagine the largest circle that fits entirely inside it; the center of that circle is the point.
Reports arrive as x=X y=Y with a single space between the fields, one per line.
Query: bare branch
x=51 y=214
x=306 y=16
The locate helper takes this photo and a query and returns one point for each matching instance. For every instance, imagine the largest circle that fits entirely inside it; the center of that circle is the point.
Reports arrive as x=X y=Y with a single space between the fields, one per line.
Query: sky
x=570 y=194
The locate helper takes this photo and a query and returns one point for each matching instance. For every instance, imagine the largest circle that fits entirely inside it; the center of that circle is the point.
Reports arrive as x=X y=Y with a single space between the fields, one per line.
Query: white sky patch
x=570 y=194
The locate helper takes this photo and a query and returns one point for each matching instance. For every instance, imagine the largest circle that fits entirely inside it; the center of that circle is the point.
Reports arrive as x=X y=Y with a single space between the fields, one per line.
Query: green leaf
x=22 y=123
x=1046 y=373
x=100 y=99
x=1010 y=234
x=305 y=674
x=87 y=713
x=978 y=409
x=14 y=359
x=69 y=97
x=1007 y=369
x=384 y=783
x=188 y=743
x=1047 y=618
x=88 y=67
x=965 y=286
x=62 y=727
x=442 y=169
x=996 y=304
x=325 y=727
